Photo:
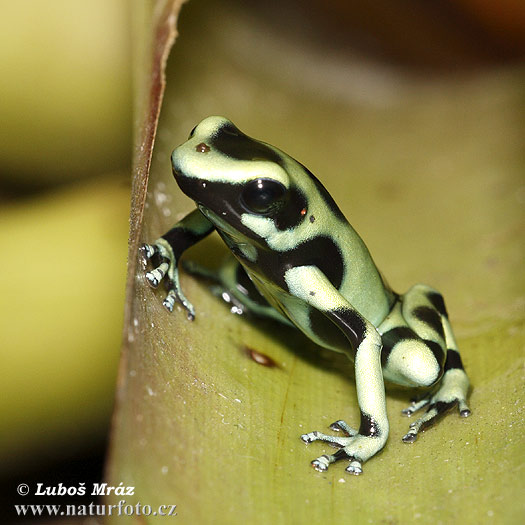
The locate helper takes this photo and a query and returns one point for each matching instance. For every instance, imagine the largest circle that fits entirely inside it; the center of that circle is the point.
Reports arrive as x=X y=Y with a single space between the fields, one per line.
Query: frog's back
x=337 y=249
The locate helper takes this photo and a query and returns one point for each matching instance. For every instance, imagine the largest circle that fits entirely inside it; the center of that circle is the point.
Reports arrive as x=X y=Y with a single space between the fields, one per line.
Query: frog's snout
x=177 y=173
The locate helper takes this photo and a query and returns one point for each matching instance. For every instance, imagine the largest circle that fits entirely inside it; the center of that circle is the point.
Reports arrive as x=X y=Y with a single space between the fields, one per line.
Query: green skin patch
x=297 y=260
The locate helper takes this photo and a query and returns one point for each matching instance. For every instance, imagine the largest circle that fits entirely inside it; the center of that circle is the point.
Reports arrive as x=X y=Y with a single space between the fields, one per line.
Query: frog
x=296 y=259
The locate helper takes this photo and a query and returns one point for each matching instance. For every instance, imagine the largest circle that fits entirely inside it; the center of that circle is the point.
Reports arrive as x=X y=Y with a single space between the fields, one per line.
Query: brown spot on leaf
x=259 y=357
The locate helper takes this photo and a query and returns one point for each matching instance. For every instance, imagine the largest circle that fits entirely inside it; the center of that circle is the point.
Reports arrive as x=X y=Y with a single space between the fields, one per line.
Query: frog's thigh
x=413 y=340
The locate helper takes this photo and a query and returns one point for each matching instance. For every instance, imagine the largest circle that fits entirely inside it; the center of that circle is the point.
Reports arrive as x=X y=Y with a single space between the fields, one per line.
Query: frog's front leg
x=312 y=286
x=166 y=251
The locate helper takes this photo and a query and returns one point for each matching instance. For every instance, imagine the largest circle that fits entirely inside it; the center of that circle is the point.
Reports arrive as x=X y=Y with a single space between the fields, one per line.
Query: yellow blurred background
x=65 y=142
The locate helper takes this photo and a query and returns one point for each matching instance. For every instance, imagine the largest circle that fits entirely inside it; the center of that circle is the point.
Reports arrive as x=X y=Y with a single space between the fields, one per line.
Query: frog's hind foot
x=451 y=393
x=221 y=284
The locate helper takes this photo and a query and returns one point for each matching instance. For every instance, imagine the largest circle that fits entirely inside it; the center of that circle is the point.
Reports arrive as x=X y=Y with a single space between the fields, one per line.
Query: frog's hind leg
x=438 y=366
x=232 y=284
x=452 y=391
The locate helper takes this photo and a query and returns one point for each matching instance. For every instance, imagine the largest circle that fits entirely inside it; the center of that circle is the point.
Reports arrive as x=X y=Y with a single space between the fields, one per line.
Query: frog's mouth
x=216 y=200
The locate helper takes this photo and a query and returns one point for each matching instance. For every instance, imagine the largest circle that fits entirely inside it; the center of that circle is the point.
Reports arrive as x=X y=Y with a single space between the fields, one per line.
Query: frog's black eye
x=263 y=195
x=192 y=132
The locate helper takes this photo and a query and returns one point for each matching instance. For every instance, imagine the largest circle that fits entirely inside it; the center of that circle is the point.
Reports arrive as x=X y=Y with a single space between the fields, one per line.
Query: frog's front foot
x=354 y=447
x=452 y=392
x=165 y=268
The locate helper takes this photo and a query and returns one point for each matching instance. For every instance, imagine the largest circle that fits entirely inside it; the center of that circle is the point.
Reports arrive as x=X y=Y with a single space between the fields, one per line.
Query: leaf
x=209 y=413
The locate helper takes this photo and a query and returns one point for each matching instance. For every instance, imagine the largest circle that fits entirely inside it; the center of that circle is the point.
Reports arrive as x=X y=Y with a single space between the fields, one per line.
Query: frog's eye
x=262 y=195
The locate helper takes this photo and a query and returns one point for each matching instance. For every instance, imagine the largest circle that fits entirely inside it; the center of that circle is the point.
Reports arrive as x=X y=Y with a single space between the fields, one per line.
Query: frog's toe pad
x=149 y=250
x=410 y=437
x=321 y=463
x=355 y=468
x=310 y=437
x=464 y=410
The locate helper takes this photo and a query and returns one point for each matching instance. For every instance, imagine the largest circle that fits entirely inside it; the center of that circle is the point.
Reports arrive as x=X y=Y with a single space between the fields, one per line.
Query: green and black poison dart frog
x=298 y=260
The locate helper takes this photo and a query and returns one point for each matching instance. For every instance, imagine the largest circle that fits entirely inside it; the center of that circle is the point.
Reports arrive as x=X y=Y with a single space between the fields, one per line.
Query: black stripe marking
x=327 y=330
x=351 y=323
x=180 y=238
x=325 y=195
x=438 y=351
x=442 y=406
x=453 y=360
x=290 y=216
x=369 y=426
x=431 y=317
x=320 y=251
x=341 y=454
x=438 y=302
x=392 y=337
x=230 y=141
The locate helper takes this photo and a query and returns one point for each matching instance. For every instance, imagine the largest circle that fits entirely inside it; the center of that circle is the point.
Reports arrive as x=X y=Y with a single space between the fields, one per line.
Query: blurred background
x=65 y=158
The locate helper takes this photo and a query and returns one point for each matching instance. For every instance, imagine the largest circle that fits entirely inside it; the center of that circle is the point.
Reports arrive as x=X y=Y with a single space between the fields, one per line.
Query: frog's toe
x=155 y=276
x=354 y=468
x=416 y=405
x=435 y=411
x=321 y=463
x=410 y=436
x=464 y=410
x=175 y=295
x=169 y=301
x=149 y=250
x=190 y=311
x=342 y=426
x=337 y=441
x=315 y=436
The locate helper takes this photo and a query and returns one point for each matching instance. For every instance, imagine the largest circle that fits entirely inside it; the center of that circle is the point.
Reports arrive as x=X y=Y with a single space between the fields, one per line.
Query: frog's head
x=242 y=185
